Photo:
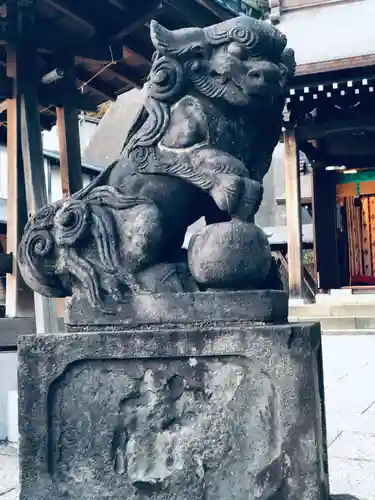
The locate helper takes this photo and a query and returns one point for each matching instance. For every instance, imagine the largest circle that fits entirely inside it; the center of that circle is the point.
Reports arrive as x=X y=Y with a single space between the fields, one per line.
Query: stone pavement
x=349 y=371
x=8 y=473
x=349 y=365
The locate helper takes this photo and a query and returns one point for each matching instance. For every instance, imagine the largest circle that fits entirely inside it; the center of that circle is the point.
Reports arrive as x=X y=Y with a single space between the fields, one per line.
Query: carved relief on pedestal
x=166 y=426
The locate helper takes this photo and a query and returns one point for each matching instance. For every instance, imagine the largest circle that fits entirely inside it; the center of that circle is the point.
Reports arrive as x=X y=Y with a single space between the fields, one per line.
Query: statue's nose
x=265 y=74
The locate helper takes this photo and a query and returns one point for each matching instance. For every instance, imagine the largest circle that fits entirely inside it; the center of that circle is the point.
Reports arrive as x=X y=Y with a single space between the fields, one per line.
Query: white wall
x=333 y=31
x=86 y=130
x=56 y=190
x=270 y=213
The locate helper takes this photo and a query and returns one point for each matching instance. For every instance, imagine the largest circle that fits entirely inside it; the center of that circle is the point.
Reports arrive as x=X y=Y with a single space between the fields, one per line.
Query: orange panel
x=344 y=190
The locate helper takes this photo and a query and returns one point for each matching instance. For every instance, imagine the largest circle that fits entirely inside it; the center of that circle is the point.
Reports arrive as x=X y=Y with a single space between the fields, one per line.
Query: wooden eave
x=333 y=105
x=109 y=39
x=336 y=90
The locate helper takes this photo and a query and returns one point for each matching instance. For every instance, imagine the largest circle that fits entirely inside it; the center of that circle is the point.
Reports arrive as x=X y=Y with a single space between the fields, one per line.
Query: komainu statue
x=199 y=147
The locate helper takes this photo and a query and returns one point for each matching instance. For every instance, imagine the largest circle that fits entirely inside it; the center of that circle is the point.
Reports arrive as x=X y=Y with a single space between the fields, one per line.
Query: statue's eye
x=236 y=50
x=198 y=52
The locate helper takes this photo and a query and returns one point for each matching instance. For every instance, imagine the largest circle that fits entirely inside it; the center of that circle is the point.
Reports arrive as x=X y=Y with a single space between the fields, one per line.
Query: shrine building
x=329 y=119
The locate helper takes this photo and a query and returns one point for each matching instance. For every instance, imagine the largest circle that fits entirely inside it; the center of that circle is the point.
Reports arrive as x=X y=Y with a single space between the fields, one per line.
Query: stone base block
x=254 y=306
x=191 y=413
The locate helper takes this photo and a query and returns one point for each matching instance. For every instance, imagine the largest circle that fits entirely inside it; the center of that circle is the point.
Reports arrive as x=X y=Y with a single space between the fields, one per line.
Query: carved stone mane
x=200 y=146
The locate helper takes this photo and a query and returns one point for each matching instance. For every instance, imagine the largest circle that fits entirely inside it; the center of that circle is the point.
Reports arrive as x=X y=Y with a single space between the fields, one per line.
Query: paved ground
x=8 y=473
x=349 y=364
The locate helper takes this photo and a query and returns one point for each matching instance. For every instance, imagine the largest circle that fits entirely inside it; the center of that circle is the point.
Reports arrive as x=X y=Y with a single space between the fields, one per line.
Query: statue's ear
x=163 y=40
x=175 y=43
x=289 y=61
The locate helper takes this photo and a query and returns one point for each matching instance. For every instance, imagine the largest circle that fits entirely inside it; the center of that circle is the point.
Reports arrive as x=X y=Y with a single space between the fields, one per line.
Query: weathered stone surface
x=223 y=412
x=231 y=254
x=259 y=306
x=199 y=147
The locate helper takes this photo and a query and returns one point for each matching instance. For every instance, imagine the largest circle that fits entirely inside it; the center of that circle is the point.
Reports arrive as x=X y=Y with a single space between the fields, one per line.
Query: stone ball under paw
x=230 y=255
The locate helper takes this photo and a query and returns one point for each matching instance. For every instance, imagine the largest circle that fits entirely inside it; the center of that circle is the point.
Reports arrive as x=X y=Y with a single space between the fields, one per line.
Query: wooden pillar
x=19 y=300
x=293 y=215
x=68 y=130
x=325 y=229
x=21 y=25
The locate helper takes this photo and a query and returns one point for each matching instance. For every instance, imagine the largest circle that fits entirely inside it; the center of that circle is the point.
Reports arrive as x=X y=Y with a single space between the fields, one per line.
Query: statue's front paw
x=227 y=192
x=238 y=196
x=249 y=202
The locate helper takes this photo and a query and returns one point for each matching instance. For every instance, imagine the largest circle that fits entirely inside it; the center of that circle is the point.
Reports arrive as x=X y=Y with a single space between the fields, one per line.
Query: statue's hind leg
x=143 y=240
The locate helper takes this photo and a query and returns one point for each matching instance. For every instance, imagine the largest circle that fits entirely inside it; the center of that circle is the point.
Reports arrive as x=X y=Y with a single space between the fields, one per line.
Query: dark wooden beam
x=134 y=19
x=318 y=131
x=6 y=263
x=46 y=122
x=192 y=12
x=50 y=95
x=283 y=247
x=3 y=27
x=32 y=151
x=6 y=87
x=96 y=84
x=33 y=160
x=130 y=54
x=95 y=51
x=49 y=39
x=138 y=18
x=19 y=298
x=320 y=159
x=325 y=230
x=74 y=12
x=117 y=3
x=125 y=76
x=216 y=9
x=27 y=79
x=68 y=130
x=47 y=95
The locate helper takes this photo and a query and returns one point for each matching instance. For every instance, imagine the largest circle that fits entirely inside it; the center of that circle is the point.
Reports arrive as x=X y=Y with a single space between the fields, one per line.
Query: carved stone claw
x=249 y=202
x=227 y=192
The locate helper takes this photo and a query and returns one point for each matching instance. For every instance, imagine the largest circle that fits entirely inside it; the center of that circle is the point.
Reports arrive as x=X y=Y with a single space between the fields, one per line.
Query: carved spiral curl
x=71 y=222
x=243 y=36
x=40 y=243
x=201 y=80
x=139 y=156
x=36 y=261
x=35 y=244
x=248 y=32
x=44 y=216
x=166 y=79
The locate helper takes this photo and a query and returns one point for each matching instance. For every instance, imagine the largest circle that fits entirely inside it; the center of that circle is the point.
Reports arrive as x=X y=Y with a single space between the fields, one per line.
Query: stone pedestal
x=212 y=409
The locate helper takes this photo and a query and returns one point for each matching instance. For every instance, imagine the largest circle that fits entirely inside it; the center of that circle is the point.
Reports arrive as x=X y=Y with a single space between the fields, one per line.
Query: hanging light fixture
x=53 y=76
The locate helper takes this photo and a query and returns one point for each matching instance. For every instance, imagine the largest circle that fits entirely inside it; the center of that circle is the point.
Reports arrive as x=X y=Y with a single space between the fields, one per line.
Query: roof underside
x=110 y=40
